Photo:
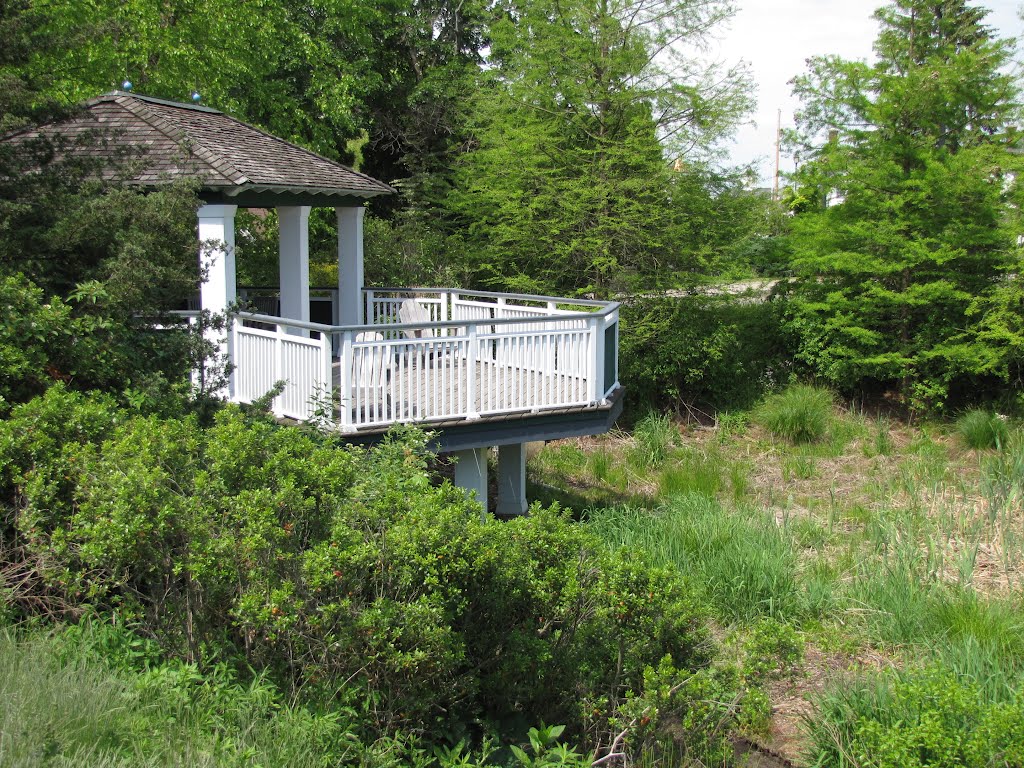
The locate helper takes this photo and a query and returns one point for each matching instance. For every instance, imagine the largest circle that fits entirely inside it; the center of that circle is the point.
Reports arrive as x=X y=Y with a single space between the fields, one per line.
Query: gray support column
x=471 y=473
x=217 y=265
x=512 y=480
x=293 y=251
x=350 y=265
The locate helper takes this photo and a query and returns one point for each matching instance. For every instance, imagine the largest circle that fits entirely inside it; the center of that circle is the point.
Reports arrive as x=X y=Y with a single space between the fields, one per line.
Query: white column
x=350 y=265
x=512 y=480
x=217 y=265
x=471 y=473
x=293 y=251
x=217 y=256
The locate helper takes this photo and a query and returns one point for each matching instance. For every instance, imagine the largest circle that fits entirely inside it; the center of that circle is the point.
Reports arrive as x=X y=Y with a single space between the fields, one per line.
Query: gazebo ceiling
x=235 y=163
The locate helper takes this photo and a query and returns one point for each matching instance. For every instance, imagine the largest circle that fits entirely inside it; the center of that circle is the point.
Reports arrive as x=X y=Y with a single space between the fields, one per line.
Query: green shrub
x=718 y=351
x=982 y=430
x=83 y=343
x=921 y=718
x=346 y=576
x=799 y=414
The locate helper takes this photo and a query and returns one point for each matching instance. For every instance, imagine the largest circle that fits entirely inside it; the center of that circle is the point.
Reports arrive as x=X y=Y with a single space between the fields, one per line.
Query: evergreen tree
x=913 y=152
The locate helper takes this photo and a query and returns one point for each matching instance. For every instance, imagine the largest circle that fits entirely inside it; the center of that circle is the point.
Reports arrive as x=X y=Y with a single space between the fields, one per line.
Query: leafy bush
x=799 y=414
x=719 y=351
x=916 y=719
x=981 y=430
x=81 y=343
x=351 y=580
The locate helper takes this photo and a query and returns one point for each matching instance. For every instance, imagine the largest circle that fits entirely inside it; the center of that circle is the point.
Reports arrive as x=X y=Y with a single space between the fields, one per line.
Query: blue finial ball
x=127 y=85
x=196 y=97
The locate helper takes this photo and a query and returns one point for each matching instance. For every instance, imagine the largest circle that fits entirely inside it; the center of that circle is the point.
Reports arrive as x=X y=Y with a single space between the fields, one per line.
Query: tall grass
x=741 y=560
x=653 y=438
x=982 y=430
x=799 y=414
x=63 y=706
x=691 y=472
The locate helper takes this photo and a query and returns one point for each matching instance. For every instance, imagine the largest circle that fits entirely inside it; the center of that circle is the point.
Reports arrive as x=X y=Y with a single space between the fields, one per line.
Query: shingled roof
x=234 y=162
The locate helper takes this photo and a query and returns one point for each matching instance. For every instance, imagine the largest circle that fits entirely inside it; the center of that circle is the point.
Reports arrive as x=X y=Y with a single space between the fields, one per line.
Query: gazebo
x=479 y=369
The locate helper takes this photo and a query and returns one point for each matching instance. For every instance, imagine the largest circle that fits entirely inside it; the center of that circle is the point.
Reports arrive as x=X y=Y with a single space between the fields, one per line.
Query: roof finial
x=196 y=96
x=126 y=85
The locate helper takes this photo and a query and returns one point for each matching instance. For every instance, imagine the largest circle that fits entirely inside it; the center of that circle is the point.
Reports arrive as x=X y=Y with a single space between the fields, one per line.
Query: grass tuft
x=653 y=438
x=799 y=414
x=745 y=564
x=982 y=430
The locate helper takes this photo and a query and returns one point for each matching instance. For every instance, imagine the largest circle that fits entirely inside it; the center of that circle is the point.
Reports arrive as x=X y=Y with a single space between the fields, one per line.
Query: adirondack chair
x=412 y=311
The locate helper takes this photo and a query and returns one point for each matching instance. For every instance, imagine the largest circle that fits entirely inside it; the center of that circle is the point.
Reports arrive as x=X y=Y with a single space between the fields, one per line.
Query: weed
x=800 y=467
x=808 y=533
x=601 y=463
x=881 y=443
x=731 y=423
x=799 y=414
x=739 y=479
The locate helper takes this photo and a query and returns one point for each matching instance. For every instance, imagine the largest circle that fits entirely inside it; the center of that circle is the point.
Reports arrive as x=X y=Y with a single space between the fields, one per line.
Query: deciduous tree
x=568 y=184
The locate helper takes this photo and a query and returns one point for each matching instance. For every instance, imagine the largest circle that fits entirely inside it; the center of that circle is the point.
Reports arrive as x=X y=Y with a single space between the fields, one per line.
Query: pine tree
x=915 y=148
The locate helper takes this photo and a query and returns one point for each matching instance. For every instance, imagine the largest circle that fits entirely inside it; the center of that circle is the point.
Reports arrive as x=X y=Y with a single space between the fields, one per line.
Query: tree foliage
x=898 y=275
x=567 y=184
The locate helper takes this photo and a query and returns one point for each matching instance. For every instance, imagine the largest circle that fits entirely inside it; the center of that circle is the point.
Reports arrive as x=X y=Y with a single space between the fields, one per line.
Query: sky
x=776 y=37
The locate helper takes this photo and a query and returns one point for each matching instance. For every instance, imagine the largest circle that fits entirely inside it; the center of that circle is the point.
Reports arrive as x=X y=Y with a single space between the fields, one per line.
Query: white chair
x=412 y=312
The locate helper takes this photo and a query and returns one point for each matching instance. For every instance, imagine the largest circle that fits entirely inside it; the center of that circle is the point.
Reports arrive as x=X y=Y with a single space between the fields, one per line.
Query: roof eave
x=269 y=196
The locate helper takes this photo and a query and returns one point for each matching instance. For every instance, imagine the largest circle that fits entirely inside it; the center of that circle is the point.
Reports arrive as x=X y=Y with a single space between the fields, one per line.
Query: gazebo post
x=350 y=265
x=217 y=264
x=293 y=251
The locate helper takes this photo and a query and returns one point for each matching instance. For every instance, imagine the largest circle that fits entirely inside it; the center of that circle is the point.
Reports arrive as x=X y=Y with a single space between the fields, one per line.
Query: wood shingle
x=232 y=160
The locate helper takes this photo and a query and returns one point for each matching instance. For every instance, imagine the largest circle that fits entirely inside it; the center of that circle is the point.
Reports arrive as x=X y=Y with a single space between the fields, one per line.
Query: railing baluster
x=345 y=383
x=471 y=365
x=278 y=368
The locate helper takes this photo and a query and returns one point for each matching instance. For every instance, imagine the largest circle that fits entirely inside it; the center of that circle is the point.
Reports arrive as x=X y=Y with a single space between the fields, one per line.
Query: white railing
x=479 y=355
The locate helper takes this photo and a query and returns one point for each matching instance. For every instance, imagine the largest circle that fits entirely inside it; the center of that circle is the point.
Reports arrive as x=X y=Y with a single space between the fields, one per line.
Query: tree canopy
x=568 y=180
x=913 y=160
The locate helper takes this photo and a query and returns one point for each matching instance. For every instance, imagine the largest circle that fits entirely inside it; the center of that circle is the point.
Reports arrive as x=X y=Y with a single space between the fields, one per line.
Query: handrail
x=429 y=289
x=492 y=295
x=320 y=328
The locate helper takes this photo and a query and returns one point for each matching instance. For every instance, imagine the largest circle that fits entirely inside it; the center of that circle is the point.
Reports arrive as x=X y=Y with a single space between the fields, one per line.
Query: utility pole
x=778 y=147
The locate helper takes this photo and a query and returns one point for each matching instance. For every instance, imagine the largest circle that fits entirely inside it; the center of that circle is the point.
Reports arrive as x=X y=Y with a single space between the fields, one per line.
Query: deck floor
x=439 y=390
